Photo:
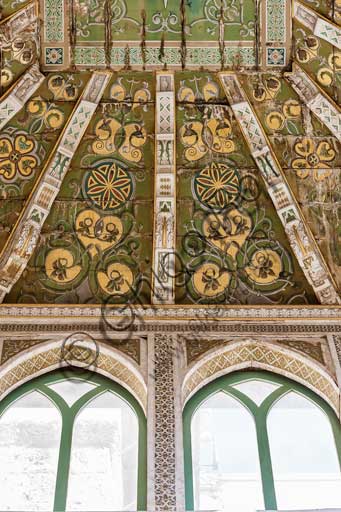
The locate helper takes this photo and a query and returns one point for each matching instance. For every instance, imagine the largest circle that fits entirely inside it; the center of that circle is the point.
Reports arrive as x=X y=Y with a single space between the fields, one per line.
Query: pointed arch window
x=258 y=441
x=75 y=442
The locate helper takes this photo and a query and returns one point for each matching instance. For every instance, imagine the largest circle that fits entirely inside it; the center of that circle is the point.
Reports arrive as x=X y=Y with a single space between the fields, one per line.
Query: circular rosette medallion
x=209 y=280
x=216 y=186
x=109 y=186
x=267 y=269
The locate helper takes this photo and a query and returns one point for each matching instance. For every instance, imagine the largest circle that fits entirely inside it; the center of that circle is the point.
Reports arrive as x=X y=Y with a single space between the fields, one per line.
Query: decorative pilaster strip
x=164 y=449
x=22 y=91
x=165 y=191
x=319 y=104
x=320 y=27
x=334 y=342
x=24 y=237
x=301 y=240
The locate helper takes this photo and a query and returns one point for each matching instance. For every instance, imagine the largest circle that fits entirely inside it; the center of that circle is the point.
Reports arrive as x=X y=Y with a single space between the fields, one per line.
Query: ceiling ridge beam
x=318 y=102
x=164 y=234
x=321 y=27
x=24 y=237
x=300 y=237
x=14 y=99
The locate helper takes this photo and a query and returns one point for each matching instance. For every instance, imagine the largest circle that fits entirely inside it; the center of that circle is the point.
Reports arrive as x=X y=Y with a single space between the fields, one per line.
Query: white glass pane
x=104 y=457
x=226 y=468
x=30 y=432
x=256 y=390
x=304 y=458
x=72 y=389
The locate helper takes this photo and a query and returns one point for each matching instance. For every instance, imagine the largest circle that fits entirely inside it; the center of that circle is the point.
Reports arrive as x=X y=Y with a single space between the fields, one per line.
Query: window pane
x=304 y=457
x=29 y=445
x=104 y=457
x=226 y=468
x=72 y=389
x=256 y=390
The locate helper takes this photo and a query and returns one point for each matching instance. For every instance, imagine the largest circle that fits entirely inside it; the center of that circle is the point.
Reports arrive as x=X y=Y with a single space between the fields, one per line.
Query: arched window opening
x=30 y=431
x=225 y=475
x=303 y=453
x=75 y=444
x=258 y=441
x=104 y=457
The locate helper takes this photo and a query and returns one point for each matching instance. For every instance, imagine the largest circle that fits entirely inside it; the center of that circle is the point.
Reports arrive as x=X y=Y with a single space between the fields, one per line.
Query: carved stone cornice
x=27 y=313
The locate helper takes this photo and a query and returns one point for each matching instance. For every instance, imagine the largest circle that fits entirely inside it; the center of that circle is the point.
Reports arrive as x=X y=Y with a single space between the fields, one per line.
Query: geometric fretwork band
x=165 y=463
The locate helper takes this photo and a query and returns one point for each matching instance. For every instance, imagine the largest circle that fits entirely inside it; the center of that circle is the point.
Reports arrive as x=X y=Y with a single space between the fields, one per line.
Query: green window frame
x=259 y=414
x=69 y=414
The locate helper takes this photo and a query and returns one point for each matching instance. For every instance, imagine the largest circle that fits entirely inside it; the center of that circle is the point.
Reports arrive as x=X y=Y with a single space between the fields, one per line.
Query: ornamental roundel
x=216 y=186
x=109 y=186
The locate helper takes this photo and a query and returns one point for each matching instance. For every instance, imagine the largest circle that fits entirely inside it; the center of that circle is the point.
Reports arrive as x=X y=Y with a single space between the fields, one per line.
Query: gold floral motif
x=47 y=114
x=98 y=234
x=59 y=266
x=16 y=156
x=117 y=280
x=213 y=135
x=265 y=267
x=276 y=120
x=109 y=186
x=209 y=280
x=266 y=88
x=228 y=232
x=62 y=88
x=326 y=75
x=6 y=77
x=313 y=156
x=111 y=136
x=308 y=49
x=139 y=97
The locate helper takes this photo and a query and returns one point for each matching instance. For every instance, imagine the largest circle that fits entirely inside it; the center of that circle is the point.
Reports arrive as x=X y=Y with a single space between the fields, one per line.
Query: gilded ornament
x=276 y=120
x=265 y=267
x=312 y=155
x=266 y=88
x=60 y=267
x=17 y=156
x=216 y=186
x=98 y=233
x=111 y=136
x=109 y=186
x=228 y=232
x=47 y=114
x=62 y=87
x=117 y=280
x=209 y=280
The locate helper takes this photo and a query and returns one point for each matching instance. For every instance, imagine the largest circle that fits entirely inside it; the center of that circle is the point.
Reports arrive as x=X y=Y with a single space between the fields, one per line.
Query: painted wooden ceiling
x=214 y=179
